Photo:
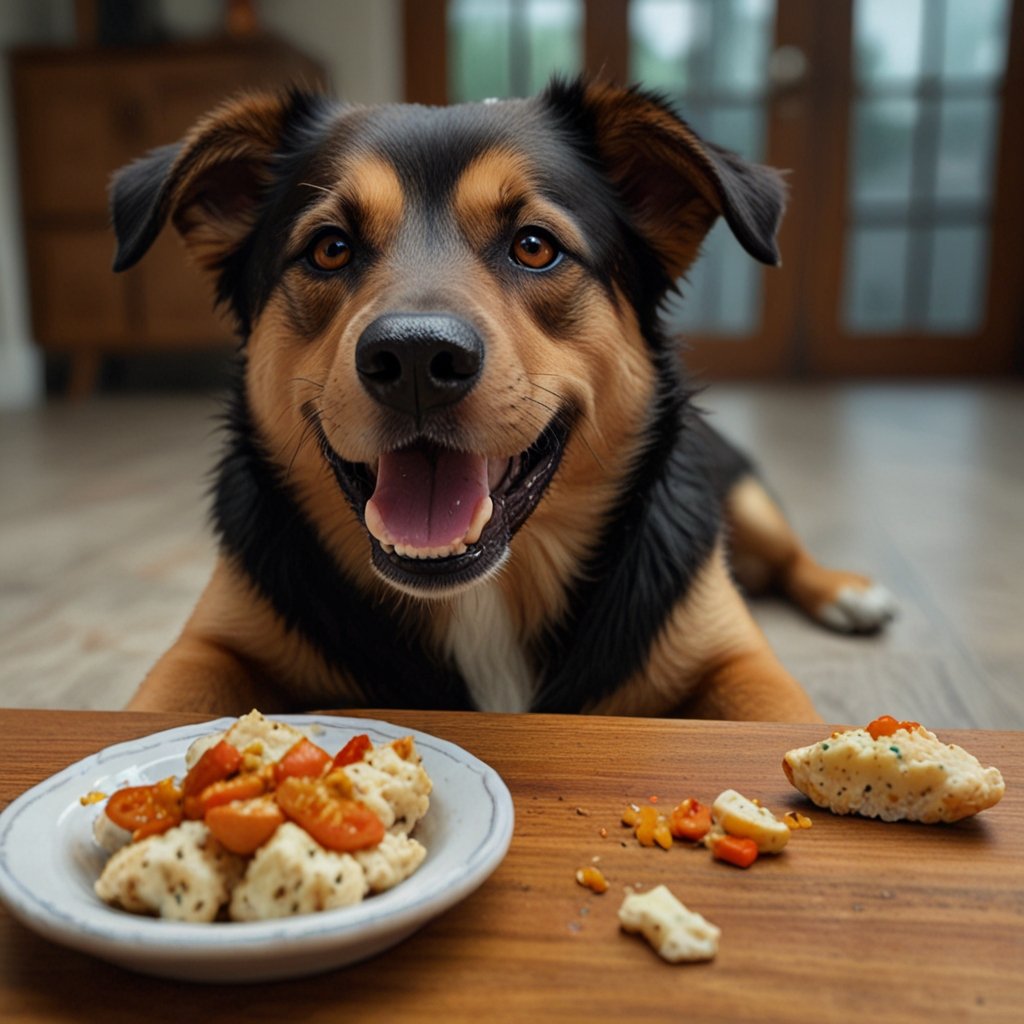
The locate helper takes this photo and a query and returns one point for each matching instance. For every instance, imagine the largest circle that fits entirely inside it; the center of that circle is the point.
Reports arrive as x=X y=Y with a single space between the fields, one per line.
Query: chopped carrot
x=735 y=850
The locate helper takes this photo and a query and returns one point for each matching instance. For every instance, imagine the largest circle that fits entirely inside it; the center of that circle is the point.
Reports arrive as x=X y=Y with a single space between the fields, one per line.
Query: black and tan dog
x=463 y=467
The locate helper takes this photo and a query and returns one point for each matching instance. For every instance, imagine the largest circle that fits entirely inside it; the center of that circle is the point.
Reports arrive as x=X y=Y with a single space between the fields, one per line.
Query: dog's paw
x=859 y=609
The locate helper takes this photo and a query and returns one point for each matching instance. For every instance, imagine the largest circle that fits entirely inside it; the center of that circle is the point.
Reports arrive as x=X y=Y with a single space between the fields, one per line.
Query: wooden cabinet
x=83 y=113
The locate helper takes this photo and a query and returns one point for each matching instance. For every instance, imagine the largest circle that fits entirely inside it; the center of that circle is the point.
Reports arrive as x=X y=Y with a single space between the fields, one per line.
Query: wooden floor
x=104 y=545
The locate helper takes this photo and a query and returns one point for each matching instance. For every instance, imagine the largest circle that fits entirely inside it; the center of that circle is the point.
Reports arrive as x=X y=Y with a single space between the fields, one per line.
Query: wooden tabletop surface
x=855 y=920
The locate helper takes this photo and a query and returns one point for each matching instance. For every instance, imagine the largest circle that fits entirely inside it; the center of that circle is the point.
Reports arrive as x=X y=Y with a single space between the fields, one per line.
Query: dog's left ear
x=209 y=185
x=674 y=184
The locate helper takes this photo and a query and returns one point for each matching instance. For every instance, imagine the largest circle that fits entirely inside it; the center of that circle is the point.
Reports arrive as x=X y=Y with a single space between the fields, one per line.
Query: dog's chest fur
x=483 y=644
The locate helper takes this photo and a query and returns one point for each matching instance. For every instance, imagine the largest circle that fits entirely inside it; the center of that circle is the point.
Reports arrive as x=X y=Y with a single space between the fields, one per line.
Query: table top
x=901 y=922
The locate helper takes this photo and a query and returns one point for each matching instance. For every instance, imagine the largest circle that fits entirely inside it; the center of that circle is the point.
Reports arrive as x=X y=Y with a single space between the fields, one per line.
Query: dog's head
x=458 y=304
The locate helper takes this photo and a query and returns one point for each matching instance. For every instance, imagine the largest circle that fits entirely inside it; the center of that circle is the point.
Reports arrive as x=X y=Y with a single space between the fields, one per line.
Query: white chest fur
x=484 y=646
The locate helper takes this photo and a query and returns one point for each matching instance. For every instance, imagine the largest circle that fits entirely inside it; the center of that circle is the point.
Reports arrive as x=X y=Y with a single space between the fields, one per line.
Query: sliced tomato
x=690 y=820
x=219 y=762
x=243 y=826
x=353 y=752
x=735 y=850
x=335 y=822
x=304 y=760
x=886 y=725
x=146 y=810
x=241 y=787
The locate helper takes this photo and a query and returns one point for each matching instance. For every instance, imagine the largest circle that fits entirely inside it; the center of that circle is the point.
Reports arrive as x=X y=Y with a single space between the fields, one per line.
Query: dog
x=464 y=466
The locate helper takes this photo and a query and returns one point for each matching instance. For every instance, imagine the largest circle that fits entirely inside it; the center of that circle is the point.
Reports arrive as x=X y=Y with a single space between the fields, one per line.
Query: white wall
x=358 y=41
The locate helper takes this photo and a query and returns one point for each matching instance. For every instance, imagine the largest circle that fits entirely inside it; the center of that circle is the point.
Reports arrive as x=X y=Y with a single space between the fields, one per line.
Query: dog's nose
x=419 y=362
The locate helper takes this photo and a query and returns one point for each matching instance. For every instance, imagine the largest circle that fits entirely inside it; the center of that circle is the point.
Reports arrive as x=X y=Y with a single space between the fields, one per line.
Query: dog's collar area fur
x=513 y=496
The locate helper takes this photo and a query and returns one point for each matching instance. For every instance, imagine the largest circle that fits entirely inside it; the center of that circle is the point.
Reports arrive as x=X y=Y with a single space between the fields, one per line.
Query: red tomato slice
x=886 y=725
x=219 y=762
x=304 y=760
x=243 y=826
x=335 y=822
x=146 y=810
x=354 y=751
x=241 y=787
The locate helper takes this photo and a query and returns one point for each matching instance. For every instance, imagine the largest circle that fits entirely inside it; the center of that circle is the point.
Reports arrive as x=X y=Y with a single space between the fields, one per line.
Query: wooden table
x=856 y=920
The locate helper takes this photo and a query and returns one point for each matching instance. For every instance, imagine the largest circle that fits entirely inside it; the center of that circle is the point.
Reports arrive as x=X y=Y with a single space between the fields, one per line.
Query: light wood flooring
x=104 y=545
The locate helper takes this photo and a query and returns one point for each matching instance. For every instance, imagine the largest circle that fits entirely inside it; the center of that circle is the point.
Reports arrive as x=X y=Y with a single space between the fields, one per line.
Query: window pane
x=966 y=149
x=887 y=40
x=478 y=44
x=975 y=38
x=511 y=47
x=742 y=36
x=882 y=150
x=556 y=40
x=959 y=270
x=739 y=128
x=722 y=293
x=876 y=279
x=665 y=35
x=738 y=293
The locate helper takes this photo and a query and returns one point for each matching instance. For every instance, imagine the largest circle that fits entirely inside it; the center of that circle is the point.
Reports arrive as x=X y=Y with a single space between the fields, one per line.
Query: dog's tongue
x=429 y=500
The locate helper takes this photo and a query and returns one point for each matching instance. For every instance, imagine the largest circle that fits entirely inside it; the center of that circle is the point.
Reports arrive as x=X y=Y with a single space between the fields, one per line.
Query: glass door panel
x=926 y=108
x=710 y=58
x=503 y=48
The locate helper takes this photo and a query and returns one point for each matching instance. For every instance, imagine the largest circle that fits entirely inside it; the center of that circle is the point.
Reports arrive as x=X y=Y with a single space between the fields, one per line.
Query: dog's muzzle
x=438 y=517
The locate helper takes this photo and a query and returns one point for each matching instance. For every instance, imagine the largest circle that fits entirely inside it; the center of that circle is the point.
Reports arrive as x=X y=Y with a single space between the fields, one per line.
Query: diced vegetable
x=690 y=820
x=735 y=850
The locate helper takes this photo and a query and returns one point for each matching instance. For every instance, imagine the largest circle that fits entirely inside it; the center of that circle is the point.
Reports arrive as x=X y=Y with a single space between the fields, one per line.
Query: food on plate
x=265 y=824
x=183 y=874
x=896 y=771
x=677 y=933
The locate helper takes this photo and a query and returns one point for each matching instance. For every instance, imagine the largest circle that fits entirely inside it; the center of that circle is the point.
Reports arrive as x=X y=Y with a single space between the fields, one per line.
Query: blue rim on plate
x=48 y=862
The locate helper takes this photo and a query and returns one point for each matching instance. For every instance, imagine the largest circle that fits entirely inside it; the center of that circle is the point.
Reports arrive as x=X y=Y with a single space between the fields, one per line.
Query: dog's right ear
x=209 y=185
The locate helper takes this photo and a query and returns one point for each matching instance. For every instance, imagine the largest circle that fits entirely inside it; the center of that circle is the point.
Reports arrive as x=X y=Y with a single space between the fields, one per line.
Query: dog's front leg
x=751 y=685
x=199 y=675
x=216 y=664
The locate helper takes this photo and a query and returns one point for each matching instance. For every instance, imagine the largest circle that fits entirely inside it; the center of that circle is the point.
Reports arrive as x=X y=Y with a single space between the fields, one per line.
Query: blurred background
x=876 y=376
x=898 y=121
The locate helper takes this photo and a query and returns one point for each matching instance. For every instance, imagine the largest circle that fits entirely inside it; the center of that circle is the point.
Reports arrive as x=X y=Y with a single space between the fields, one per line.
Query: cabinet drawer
x=76 y=299
x=74 y=131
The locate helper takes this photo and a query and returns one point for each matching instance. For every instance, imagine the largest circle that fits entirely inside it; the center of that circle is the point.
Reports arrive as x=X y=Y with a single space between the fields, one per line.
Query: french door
x=898 y=121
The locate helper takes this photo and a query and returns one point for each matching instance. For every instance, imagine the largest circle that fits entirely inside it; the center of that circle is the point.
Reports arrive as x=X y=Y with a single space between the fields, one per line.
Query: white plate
x=48 y=863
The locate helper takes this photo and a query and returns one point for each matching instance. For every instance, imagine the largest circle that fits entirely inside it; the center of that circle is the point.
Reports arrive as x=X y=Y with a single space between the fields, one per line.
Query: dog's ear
x=209 y=185
x=674 y=184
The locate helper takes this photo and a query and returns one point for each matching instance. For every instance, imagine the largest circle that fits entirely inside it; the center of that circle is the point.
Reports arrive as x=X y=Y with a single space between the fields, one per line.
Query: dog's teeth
x=481 y=517
x=375 y=524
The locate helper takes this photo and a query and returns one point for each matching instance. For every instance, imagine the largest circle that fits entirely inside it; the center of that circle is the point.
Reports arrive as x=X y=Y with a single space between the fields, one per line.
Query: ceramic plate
x=48 y=863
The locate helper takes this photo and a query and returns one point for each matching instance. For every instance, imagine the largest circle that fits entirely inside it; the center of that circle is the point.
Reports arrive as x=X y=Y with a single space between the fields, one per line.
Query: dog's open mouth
x=439 y=519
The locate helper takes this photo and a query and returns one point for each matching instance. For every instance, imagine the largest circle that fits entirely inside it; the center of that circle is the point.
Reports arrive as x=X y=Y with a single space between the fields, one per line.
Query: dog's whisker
x=305 y=380
x=559 y=413
x=319 y=188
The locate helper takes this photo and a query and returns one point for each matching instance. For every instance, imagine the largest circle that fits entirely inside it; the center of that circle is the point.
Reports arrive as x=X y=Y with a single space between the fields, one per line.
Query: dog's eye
x=330 y=251
x=535 y=249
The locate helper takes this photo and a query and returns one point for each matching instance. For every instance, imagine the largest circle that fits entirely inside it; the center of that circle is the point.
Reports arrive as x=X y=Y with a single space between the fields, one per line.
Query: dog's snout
x=418 y=362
